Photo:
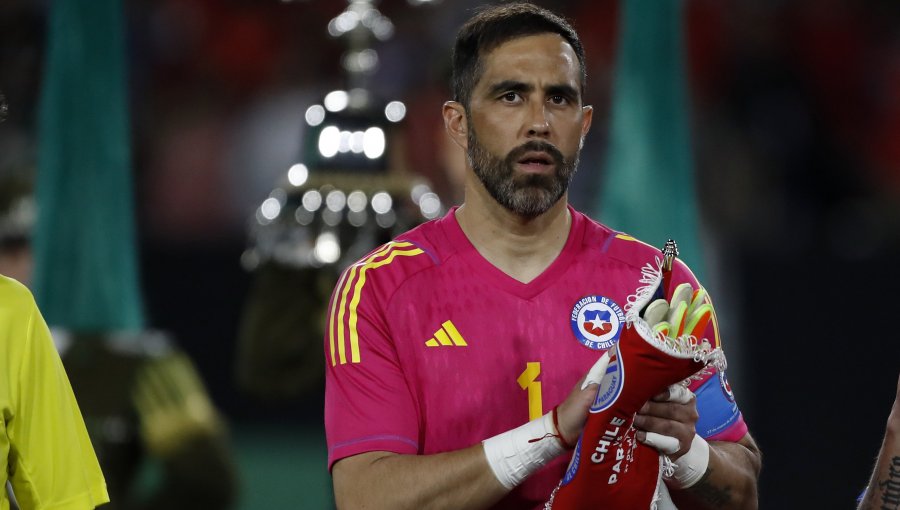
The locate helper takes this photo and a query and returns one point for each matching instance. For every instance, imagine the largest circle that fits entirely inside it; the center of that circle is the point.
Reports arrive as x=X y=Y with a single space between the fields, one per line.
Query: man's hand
x=572 y=412
x=670 y=414
x=668 y=421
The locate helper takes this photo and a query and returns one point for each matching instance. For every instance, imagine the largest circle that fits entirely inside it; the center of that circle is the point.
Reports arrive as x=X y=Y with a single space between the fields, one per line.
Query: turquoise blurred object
x=86 y=276
x=649 y=190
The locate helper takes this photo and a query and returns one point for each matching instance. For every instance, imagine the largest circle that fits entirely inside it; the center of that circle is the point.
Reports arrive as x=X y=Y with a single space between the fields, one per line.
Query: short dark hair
x=495 y=25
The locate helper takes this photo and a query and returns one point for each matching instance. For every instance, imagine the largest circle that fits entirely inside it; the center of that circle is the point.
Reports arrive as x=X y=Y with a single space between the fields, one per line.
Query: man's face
x=526 y=123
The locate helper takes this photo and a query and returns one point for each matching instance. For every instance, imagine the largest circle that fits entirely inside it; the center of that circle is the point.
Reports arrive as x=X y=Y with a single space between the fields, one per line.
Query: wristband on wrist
x=517 y=453
x=690 y=467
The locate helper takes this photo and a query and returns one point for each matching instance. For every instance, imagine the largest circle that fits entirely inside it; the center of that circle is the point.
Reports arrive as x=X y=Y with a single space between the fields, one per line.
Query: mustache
x=536 y=146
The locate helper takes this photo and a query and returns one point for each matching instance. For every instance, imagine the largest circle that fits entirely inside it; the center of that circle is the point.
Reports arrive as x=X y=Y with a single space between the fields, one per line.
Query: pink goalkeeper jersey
x=430 y=348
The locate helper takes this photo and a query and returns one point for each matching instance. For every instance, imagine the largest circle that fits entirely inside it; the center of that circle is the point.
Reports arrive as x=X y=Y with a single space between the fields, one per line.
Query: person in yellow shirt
x=146 y=408
x=45 y=452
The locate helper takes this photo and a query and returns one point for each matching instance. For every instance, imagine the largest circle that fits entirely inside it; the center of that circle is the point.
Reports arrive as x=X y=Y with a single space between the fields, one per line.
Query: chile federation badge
x=597 y=322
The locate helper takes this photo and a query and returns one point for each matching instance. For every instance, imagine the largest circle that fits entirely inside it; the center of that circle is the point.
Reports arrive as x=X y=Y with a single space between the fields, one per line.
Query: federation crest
x=597 y=322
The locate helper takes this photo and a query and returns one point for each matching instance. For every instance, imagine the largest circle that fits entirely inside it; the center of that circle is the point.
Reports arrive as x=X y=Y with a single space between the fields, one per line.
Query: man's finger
x=680 y=394
x=664 y=444
x=596 y=373
x=675 y=393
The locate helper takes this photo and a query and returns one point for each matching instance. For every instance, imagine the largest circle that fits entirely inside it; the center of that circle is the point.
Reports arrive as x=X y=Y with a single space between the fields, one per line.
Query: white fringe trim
x=651 y=277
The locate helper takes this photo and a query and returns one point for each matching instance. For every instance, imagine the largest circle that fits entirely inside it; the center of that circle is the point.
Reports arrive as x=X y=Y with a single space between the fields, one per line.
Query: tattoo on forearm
x=889 y=488
x=709 y=493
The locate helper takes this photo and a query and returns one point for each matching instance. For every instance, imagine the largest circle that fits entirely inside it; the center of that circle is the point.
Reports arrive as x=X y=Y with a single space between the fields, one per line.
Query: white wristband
x=691 y=466
x=517 y=453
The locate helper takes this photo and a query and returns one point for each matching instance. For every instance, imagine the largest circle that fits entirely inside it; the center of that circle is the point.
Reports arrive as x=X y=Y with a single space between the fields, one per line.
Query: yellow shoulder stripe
x=346 y=299
x=626 y=237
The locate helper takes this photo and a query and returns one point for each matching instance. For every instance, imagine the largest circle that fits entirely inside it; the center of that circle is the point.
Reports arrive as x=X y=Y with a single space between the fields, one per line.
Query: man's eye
x=558 y=99
x=510 y=96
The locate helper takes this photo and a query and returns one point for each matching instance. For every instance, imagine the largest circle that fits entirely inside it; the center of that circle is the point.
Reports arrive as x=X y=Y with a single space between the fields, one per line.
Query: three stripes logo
x=446 y=336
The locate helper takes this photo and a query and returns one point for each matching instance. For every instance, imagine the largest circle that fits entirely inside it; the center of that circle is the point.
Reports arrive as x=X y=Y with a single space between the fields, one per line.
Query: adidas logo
x=447 y=335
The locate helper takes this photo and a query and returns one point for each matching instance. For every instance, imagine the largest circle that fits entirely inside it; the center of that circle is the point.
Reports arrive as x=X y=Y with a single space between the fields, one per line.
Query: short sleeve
x=52 y=462
x=368 y=402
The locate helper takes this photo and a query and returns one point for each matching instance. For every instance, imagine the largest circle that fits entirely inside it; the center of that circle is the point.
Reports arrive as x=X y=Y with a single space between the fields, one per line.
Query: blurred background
x=794 y=122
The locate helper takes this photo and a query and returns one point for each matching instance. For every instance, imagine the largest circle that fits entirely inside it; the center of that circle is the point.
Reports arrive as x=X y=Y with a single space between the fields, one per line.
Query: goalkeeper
x=450 y=351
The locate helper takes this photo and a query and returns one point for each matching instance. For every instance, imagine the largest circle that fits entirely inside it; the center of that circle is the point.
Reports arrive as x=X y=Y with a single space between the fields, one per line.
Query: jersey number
x=528 y=381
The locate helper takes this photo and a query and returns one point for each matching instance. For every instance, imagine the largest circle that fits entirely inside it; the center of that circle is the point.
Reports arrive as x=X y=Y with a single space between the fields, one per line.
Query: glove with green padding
x=688 y=314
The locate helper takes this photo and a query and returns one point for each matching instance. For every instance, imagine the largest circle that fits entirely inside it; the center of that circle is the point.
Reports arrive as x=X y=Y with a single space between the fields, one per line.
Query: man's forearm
x=884 y=487
x=471 y=478
x=883 y=491
x=730 y=480
x=451 y=480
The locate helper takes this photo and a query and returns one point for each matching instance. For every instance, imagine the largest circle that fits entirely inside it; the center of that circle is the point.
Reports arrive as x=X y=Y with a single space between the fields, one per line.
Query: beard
x=528 y=195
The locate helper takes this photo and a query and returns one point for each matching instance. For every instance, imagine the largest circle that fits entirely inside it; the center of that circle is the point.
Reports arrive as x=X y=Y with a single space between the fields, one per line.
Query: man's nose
x=538 y=122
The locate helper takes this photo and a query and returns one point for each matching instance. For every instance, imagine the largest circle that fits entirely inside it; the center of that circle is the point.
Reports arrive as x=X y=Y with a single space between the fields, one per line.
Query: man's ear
x=587 y=115
x=456 y=123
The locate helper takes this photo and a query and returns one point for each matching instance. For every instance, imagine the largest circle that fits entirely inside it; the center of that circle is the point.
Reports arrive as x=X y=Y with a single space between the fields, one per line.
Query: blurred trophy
x=349 y=192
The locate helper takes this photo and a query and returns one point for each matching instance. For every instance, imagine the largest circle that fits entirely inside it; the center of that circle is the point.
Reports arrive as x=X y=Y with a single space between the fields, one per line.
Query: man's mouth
x=536 y=160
